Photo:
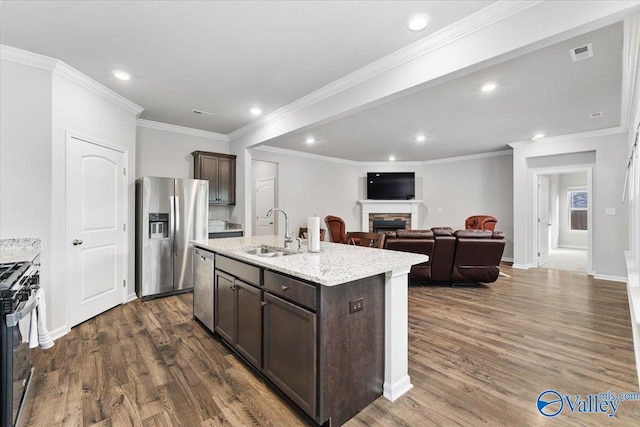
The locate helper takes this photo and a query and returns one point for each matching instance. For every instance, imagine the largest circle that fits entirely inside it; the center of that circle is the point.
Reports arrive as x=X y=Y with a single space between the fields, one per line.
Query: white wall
x=308 y=186
x=25 y=153
x=81 y=111
x=166 y=153
x=610 y=233
x=38 y=107
x=161 y=152
x=25 y=159
x=459 y=187
x=455 y=190
x=569 y=238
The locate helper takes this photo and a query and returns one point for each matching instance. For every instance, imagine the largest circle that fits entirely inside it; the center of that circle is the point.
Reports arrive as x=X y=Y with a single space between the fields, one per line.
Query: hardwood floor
x=477 y=356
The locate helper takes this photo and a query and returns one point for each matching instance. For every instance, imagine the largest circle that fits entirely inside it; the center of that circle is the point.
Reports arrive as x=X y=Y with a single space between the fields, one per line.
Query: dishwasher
x=203 y=287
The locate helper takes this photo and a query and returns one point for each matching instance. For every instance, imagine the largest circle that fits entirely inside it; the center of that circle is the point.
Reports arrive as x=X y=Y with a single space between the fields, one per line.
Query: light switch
x=610 y=211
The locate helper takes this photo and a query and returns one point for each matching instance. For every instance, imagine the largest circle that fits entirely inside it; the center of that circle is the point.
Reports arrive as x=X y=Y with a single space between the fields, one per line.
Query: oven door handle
x=24 y=308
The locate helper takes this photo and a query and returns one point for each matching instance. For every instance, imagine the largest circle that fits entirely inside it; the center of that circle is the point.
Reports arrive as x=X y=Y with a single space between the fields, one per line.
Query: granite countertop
x=335 y=263
x=18 y=250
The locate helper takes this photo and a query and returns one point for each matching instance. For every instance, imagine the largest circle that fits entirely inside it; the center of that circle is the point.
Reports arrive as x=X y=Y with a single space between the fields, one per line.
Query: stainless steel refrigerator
x=170 y=213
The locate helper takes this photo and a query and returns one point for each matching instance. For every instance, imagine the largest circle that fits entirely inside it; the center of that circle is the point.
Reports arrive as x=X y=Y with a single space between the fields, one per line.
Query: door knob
x=77 y=242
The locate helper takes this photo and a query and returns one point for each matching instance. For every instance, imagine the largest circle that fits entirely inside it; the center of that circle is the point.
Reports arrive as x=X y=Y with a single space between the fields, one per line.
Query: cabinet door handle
x=232 y=287
x=263 y=303
x=284 y=287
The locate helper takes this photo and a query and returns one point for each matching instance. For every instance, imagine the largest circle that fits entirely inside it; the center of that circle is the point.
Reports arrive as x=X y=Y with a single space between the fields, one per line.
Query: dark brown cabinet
x=290 y=349
x=304 y=337
x=238 y=316
x=220 y=170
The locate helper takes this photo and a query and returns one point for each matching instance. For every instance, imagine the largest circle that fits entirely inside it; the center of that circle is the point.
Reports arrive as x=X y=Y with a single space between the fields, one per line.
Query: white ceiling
x=226 y=57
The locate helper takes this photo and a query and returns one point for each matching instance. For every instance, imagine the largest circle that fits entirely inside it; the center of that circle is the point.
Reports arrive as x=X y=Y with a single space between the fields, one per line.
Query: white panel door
x=543 y=220
x=95 y=228
x=265 y=200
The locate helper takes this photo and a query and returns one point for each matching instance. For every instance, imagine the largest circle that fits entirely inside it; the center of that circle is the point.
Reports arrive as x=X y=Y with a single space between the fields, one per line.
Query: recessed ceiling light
x=392 y=158
x=418 y=22
x=489 y=87
x=256 y=111
x=537 y=136
x=122 y=75
x=310 y=140
x=421 y=138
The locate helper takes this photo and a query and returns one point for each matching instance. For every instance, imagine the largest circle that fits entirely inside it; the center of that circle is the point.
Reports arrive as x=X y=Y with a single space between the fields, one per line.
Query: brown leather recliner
x=480 y=222
x=416 y=241
x=478 y=254
x=464 y=256
x=443 y=252
x=337 y=228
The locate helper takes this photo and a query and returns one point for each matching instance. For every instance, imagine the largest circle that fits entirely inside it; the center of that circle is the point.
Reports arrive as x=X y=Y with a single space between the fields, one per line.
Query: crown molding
x=631 y=45
x=630 y=68
x=56 y=66
x=304 y=155
x=469 y=157
x=30 y=59
x=356 y=163
x=181 y=129
x=80 y=79
x=465 y=27
x=569 y=137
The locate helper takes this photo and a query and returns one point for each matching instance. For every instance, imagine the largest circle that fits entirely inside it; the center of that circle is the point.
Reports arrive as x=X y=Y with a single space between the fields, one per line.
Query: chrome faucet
x=287 y=238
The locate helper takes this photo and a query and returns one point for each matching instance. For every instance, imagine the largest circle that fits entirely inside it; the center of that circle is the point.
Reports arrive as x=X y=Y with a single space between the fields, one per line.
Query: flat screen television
x=391 y=185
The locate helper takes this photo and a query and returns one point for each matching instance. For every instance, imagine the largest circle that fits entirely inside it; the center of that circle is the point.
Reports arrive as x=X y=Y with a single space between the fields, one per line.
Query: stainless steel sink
x=269 y=251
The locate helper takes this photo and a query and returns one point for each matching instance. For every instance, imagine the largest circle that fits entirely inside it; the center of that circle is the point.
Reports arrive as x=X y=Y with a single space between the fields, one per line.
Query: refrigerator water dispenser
x=158 y=226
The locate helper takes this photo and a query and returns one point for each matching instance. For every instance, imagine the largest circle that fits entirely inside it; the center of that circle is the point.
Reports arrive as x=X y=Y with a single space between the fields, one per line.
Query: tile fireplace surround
x=391 y=210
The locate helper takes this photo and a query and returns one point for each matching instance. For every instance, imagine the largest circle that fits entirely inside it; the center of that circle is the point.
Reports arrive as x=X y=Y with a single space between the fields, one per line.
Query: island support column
x=396 y=333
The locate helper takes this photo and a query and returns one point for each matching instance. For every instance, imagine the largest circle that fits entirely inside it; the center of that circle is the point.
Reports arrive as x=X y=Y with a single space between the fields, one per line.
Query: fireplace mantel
x=411 y=207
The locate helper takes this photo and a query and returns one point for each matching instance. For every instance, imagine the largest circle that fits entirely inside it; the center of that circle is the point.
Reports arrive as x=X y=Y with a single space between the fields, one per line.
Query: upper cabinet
x=220 y=170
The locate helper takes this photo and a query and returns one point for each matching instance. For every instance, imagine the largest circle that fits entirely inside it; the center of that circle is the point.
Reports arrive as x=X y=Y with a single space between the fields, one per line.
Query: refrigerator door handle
x=172 y=225
x=176 y=225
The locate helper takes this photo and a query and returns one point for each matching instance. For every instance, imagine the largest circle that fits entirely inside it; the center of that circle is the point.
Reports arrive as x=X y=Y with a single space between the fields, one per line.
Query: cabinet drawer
x=243 y=271
x=292 y=289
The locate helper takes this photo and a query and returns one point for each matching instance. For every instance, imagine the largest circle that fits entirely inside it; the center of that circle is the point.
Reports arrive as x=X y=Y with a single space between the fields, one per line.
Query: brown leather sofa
x=463 y=256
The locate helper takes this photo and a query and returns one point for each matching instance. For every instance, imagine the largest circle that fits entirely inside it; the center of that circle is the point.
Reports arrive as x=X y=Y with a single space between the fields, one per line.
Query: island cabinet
x=322 y=346
x=291 y=338
x=238 y=307
x=220 y=170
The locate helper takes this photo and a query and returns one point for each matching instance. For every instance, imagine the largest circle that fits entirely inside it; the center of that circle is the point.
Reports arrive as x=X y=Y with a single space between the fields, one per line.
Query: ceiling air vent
x=581 y=52
x=202 y=113
x=596 y=115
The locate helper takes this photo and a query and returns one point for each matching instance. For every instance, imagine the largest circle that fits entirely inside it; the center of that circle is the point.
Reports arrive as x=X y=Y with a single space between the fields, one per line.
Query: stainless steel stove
x=18 y=282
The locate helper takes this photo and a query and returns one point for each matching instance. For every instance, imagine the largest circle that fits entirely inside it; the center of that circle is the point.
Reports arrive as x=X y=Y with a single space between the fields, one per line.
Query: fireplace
x=390 y=210
x=382 y=225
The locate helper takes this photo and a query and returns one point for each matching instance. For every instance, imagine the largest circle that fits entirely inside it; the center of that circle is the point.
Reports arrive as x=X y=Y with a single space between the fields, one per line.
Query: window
x=578 y=204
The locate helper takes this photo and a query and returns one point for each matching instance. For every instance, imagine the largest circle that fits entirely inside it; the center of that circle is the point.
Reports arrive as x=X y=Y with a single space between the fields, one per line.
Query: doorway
x=96 y=222
x=563 y=219
x=265 y=182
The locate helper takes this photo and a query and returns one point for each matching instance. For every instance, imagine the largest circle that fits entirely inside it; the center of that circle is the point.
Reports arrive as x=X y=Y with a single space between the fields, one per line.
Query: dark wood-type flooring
x=478 y=356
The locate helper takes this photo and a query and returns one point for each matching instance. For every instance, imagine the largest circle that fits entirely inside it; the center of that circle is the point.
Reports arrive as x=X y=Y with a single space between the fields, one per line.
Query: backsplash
x=219 y=213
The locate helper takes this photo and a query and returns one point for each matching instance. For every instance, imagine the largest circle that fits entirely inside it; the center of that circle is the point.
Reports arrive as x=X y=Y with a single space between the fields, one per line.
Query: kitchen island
x=346 y=306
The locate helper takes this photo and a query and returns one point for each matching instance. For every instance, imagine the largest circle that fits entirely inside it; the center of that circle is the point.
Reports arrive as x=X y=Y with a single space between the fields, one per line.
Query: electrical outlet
x=356 y=305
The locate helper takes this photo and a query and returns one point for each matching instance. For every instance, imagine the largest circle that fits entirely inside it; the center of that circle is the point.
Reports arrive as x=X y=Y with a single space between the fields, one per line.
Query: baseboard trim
x=60 y=332
x=610 y=278
x=521 y=266
x=132 y=296
x=507 y=259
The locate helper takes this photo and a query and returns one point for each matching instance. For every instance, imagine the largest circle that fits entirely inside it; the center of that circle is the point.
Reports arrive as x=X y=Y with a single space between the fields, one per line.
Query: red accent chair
x=337 y=228
x=480 y=222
